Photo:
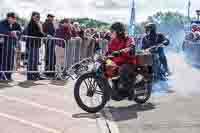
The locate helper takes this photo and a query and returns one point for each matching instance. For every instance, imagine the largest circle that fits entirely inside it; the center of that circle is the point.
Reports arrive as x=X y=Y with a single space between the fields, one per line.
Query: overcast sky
x=106 y=10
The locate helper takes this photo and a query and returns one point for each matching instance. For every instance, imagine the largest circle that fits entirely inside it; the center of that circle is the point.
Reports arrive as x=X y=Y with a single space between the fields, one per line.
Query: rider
x=152 y=38
x=119 y=41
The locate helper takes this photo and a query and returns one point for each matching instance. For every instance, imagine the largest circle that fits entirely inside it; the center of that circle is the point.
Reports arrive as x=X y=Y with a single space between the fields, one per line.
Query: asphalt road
x=49 y=107
x=44 y=107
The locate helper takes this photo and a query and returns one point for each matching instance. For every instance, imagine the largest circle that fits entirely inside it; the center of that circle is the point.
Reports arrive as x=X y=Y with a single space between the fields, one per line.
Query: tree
x=169 y=23
x=91 y=23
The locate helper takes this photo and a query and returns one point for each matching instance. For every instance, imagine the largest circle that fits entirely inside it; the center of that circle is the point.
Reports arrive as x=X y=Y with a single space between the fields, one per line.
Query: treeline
x=87 y=22
x=170 y=23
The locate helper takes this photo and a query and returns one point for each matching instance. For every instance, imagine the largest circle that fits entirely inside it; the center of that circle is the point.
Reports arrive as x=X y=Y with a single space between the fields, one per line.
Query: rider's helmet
x=150 y=28
x=117 y=27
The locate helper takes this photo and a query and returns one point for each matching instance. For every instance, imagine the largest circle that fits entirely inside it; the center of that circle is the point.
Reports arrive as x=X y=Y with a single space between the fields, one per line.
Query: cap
x=50 y=15
x=35 y=13
x=76 y=23
x=11 y=14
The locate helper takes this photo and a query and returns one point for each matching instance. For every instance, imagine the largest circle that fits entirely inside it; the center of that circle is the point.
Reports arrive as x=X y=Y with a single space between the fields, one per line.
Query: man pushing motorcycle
x=152 y=38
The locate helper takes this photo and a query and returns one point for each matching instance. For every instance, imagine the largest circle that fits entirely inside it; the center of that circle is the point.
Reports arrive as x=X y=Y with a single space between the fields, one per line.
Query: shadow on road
x=5 y=84
x=58 y=82
x=28 y=84
x=129 y=112
x=86 y=115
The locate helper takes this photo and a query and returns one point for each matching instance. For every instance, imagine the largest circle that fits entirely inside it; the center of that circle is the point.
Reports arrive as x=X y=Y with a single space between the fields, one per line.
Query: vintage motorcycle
x=99 y=82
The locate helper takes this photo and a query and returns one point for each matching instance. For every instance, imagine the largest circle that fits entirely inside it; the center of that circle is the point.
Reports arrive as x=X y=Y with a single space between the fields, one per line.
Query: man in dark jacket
x=49 y=30
x=9 y=28
x=153 y=38
x=34 y=30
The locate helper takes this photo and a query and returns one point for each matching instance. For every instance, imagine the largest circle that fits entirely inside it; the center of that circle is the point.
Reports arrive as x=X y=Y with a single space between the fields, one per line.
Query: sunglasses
x=14 y=17
x=37 y=17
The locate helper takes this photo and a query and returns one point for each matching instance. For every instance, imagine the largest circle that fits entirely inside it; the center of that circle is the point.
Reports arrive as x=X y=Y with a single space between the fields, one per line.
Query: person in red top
x=119 y=41
x=195 y=28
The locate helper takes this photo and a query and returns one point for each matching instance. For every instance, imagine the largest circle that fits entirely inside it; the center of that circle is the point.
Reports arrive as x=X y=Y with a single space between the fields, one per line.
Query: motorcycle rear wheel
x=146 y=95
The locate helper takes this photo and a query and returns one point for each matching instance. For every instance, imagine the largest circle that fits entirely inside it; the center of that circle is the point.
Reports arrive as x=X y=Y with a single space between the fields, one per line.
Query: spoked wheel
x=81 y=70
x=90 y=93
x=143 y=94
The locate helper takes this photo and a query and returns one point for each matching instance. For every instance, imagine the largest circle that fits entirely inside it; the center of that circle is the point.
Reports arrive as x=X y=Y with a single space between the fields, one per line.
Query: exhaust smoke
x=185 y=79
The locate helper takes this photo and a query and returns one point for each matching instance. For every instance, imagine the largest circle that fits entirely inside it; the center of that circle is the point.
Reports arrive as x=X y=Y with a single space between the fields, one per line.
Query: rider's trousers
x=127 y=75
x=163 y=59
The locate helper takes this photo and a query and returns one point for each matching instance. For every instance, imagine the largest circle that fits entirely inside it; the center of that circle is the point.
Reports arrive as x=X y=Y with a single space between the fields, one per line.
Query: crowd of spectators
x=66 y=30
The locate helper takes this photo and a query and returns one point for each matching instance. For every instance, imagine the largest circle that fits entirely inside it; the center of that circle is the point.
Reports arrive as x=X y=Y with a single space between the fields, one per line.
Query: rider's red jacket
x=116 y=45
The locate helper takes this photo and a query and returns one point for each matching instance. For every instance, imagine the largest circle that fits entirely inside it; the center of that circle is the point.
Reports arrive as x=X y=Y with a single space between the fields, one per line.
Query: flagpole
x=189 y=5
x=131 y=26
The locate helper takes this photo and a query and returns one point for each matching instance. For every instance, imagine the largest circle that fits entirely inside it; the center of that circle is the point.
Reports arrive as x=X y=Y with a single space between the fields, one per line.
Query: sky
x=105 y=10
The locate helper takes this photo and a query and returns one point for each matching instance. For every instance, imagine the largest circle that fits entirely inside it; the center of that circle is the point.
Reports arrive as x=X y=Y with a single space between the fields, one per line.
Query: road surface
x=49 y=107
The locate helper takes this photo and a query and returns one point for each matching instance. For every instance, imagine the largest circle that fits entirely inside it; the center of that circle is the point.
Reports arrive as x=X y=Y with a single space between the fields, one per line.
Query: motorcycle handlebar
x=129 y=48
x=153 y=47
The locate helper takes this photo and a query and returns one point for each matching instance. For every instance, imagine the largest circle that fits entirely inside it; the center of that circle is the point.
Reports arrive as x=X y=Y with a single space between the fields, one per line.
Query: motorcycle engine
x=139 y=78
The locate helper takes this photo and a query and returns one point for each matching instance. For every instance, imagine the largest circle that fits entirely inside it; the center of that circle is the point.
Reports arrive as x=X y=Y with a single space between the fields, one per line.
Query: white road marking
x=20 y=100
x=101 y=124
x=29 y=123
x=111 y=123
x=23 y=101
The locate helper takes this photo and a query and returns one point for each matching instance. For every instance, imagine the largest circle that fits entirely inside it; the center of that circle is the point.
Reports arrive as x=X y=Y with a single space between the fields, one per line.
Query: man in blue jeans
x=34 y=30
x=9 y=27
x=50 y=57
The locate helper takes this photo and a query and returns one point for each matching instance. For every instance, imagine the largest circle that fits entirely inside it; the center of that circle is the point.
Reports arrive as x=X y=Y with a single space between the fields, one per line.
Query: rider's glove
x=165 y=43
x=49 y=36
x=132 y=50
x=116 y=53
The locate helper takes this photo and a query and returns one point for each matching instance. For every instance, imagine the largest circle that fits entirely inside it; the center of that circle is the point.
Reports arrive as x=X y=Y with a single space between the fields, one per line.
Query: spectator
x=65 y=32
x=82 y=32
x=77 y=29
x=73 y=31
x=92 y=32
x=49 y=30
x=48 y=26
x=87 y=33
x=107 y=36
x=34 y=29
x=96 y=37
x=7 y=45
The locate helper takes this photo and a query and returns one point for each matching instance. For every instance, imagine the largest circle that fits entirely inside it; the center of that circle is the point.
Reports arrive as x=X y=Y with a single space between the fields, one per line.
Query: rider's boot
x=115 y=93
x=163 y=78
x=168 y=73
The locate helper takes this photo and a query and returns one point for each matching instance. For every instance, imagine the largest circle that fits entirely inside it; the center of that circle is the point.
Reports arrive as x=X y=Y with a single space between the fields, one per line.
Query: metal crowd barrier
x=103 y=46
x=191 y=50
x=7 y=55
x=37 y=56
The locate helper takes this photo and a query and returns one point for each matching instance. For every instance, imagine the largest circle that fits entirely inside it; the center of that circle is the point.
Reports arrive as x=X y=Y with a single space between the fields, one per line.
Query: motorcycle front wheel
x=89 y=86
